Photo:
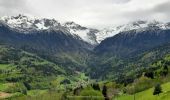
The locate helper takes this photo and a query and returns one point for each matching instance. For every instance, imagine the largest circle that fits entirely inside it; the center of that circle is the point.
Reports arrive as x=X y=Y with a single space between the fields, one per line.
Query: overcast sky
x=91 y=13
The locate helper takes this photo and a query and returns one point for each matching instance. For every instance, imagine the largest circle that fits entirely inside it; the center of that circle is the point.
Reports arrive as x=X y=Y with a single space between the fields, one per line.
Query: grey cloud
x=13 y=7
x=163 y=8
x=159 y=12
x=121 y=1
x=164 y=11
x=11 y=3
x=93 y=13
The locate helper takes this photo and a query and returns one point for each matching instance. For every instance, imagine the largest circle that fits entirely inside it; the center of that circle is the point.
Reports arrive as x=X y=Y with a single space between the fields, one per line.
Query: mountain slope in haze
x=136 y=25
x=55 y=44
x=52 y=41
x=29 y=24
x=134 y=41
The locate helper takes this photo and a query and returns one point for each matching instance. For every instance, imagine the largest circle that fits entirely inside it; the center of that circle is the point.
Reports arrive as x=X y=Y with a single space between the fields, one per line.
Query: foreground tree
x=104 y=92
x=77 y=90
x=157 y=90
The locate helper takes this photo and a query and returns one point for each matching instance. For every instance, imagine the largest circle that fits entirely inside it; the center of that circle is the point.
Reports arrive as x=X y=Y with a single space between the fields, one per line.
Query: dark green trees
x=96 y=86
x=157 y=90
x=165 y=70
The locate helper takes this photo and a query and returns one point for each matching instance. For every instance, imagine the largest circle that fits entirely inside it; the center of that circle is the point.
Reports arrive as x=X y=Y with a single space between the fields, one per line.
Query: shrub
x=92 y=94
x=157 y=90
x=96 y=86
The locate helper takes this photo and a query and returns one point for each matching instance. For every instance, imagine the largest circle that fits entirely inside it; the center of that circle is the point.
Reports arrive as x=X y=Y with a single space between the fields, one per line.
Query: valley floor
x=144 y=95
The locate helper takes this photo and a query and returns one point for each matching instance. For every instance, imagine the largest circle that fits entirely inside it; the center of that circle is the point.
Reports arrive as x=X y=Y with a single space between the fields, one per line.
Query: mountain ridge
x=28 y=24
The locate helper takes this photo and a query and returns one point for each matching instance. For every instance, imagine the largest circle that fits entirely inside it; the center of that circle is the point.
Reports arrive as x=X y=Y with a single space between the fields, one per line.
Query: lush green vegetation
x=25 y=75
x=148 y=94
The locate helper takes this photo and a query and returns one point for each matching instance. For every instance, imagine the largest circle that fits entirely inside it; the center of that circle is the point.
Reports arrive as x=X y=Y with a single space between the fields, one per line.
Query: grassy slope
x=41 y=73
x=38 y=95
x=148 y=94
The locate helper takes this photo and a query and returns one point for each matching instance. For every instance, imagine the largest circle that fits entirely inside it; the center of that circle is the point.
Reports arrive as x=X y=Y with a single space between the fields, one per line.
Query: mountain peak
x=139 y=25
x=73 y=25
x=86 y=34
x=28 y=23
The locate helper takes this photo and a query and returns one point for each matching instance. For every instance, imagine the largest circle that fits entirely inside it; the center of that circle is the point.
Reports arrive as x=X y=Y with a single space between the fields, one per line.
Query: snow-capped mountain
x=87 y=34
x=28 y=24
x=134 y=38
x=25 y=33
x=138 y=26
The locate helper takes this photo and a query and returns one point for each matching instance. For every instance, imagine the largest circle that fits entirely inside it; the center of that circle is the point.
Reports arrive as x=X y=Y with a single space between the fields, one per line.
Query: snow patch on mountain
x=137 y=25
x=86 y=34
x=28 y=24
